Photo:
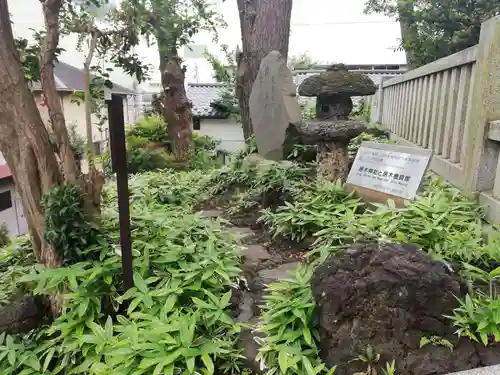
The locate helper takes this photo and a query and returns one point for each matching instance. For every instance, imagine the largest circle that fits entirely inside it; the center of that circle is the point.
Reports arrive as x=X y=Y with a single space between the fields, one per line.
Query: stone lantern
x=332 y=130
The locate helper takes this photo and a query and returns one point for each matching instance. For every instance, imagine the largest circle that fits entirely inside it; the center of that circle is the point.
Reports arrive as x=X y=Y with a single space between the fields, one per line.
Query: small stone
x=210 y=214
x=240 y=232
x=245 y=308
x=281 y=272
x=250 y=348
x=254 y=254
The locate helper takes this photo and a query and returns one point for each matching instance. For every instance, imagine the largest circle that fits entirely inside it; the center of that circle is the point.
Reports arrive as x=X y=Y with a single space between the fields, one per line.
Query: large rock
x=273 y=105
x=389 y=296
x=337 y=80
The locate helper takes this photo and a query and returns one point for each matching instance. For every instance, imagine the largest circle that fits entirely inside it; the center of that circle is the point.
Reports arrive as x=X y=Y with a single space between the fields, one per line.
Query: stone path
x=490 y=370
x=258 y=277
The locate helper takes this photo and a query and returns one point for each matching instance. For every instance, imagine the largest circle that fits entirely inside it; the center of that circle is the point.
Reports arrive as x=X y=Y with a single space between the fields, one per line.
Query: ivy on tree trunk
x=265 y=27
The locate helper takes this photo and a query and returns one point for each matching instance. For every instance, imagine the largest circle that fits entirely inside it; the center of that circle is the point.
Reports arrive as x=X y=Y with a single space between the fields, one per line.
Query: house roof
x=69 y=78
x=204 y=97
x=375 y=74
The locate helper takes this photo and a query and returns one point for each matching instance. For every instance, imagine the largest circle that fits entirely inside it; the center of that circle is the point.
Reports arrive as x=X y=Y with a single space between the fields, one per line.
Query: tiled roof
x=375 y=75
x=69 y=78
x=204 y=97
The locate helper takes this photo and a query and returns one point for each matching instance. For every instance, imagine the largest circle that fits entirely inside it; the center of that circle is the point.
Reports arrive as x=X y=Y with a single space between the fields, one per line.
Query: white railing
x=450 y=106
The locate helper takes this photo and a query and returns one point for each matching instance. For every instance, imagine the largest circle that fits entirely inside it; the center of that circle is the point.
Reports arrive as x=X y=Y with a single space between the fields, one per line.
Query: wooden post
x=378 y=103
x=481 y=154
x=119 y=165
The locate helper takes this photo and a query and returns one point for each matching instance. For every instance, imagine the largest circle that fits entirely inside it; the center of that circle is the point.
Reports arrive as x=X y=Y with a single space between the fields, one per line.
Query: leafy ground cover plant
x=290 y=342
x=177 y=318
x=315 y=205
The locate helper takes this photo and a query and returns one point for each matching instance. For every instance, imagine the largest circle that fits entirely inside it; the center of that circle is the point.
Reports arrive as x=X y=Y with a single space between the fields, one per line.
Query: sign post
x=384 y=171
x=119 y=165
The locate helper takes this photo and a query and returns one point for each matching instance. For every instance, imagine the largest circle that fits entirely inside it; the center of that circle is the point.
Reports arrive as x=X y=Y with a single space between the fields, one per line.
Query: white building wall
x=75 y=114
x=227 y=131
x=13 y=216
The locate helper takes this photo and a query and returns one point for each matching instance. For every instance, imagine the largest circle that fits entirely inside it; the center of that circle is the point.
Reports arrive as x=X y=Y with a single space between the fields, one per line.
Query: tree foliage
x=172 y=24
x=224 y=71
x=432 y=29
x=304 y=61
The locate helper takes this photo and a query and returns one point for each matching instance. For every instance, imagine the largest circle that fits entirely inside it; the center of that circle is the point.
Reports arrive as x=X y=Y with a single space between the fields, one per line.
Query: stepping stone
x=210 y=214
x=250 y=348
x=281 y=272
x=491 y=370
x=245 y=308
x=239 y=232
x=254 y=254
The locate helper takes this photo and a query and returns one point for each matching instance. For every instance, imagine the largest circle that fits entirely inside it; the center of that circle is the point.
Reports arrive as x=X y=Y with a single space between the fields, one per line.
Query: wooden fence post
x=378 y=103
x=480 y=154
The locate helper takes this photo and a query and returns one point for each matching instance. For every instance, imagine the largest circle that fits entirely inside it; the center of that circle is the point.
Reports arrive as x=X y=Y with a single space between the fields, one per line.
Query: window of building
x=5 y=200
x=196 y=123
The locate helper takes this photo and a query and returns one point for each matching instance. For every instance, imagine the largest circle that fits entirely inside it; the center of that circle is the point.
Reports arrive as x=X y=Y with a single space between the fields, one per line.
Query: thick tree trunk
x=176 y=106
x=265 y=27
x=24 y=141
x=51 y=9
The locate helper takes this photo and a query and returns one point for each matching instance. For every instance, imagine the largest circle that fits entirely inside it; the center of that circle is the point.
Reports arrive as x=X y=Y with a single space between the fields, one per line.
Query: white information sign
x=389 y=169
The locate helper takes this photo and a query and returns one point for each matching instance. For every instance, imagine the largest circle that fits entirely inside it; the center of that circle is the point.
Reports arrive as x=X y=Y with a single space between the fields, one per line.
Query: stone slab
x=240 y=232
x=281 y=272
x=254 y=254
x=490 y=370
x=273 y=105
x=210 y=214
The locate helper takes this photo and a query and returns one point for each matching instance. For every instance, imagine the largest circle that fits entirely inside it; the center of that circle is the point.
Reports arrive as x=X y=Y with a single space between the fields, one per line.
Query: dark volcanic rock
x=389 y=296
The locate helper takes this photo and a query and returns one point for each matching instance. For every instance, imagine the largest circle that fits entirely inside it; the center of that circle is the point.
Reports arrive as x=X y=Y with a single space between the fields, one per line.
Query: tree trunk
x=88 y=98
x=24 y=141
x=265 y=27
x=176 y=106
x=51 y=9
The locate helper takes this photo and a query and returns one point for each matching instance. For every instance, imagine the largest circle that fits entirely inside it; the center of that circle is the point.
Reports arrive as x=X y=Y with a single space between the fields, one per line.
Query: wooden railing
x=448 y=106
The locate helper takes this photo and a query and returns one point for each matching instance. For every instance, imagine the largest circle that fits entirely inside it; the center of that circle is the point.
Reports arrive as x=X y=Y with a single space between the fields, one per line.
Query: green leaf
x=207 y=361
x=48 y=358
x=308 y=366
x=139 y=283
x=307 y=335
x=190 y=362
x=283 y=361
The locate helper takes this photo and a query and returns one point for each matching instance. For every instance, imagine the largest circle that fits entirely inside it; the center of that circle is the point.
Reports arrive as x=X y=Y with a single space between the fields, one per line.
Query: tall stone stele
x=332 y=130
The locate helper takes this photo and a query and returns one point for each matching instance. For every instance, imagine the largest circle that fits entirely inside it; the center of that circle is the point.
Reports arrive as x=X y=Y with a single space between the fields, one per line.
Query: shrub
x=152 y=128
x=315 y=205
x=176 y=319
x=67 y=228
x=291 y=340
x=4 y=235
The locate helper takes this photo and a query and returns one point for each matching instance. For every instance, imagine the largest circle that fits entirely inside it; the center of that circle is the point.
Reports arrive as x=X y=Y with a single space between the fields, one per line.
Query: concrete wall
x=452 y=106
x=12 y=216
x=227 y=131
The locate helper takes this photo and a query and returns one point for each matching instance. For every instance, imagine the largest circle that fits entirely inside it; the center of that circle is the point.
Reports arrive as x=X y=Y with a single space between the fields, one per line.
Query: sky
x=331 y=30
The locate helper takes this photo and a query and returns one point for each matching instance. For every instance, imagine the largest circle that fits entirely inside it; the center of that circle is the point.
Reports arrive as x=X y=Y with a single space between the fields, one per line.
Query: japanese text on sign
x=389 y=169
